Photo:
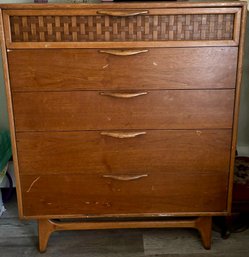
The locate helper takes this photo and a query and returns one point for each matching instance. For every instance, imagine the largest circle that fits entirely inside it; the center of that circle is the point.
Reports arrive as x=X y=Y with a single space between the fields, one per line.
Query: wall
x=3 y=109
x=243 y=132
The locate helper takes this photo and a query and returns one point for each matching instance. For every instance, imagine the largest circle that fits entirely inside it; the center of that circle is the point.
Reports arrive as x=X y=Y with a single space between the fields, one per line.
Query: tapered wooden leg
x=204 y=226
x=45 y=228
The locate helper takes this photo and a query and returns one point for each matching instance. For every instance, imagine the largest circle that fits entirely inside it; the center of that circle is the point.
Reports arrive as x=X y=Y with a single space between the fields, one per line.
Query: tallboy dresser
x=123 y=115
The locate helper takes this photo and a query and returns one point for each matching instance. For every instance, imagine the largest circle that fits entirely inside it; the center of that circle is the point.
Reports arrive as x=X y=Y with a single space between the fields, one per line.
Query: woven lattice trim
x=119 y=29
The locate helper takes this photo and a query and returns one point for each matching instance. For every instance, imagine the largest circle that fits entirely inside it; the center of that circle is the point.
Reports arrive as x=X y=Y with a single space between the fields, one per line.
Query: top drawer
x=99 y=69
x=150 y=27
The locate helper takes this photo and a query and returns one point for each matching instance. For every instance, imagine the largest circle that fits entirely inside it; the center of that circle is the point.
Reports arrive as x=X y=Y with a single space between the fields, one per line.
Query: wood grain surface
x=91 y=194
x=123 y=25
x=178 y=151
x=79 y=161
x=94 y=110
x=211 y=29
x=165 y=68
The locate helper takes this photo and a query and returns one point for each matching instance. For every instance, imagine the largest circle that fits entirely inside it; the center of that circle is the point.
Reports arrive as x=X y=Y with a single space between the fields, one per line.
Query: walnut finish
x=122 y=26
x=181 y=151
x=123 y=110
x=159 y=68
x=98 y=195
x=217 y=26
x=147 y=109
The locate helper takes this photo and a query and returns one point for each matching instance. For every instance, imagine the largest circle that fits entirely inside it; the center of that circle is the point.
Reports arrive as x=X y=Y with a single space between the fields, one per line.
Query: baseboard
x=243 y=150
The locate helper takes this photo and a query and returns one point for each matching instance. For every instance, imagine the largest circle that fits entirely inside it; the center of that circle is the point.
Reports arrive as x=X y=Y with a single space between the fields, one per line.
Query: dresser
x=123 y=115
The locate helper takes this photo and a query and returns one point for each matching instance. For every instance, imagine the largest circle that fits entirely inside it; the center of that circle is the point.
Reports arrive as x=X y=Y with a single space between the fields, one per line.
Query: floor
x=19 y=239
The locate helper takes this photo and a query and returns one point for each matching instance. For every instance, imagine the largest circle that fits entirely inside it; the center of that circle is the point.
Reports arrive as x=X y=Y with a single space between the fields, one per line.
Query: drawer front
x=95 y=110
x=92 y=194
x=159 y=68
x=124 y=152
x=196 y=25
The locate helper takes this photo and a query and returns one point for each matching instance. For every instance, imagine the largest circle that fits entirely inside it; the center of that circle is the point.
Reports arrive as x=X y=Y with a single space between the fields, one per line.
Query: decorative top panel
x=101 y=28
x=104 y=28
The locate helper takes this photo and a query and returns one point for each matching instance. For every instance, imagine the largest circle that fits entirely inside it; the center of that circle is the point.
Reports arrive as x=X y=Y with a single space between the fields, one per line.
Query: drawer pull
x=125 y=177
x=121 y=13
x=123 y=52
x=122 y=134
x=123 y=95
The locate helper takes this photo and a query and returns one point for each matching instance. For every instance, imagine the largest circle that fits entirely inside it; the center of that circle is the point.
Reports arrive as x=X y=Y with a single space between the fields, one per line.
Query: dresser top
x=96 y=4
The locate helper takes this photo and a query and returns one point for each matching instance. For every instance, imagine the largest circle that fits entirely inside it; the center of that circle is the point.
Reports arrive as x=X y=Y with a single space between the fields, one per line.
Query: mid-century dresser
x=123 y=114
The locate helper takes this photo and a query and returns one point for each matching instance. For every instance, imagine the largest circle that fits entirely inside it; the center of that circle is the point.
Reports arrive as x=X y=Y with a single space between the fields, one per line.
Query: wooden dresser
x=123 y=114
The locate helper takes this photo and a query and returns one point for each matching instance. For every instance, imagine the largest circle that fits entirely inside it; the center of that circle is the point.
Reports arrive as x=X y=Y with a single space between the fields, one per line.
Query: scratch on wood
x=105 y=66
x=32 y=184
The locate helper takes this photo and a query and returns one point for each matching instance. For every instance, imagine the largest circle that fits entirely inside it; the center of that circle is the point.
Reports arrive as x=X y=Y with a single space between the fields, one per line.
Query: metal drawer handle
x=123 y=52
x=123 y=95
x=121 y=13
x=122 y=134
x=125 y=177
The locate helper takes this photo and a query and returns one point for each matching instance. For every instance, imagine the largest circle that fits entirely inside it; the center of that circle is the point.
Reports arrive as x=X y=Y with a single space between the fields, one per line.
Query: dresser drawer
x=95 y=195
x=124 y=152
x=159 y=68
x=95 y=110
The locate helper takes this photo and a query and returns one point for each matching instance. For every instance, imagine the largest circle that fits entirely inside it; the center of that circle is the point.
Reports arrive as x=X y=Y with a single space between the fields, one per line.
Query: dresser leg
x=45 y=228
x=204 y=226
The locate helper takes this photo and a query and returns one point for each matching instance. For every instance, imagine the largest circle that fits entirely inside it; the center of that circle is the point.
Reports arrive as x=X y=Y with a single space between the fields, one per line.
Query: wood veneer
x=167 y=68
x=96 y=195
x=172 y=99
x=109 y=25
x=83 y=152
x=157 y=109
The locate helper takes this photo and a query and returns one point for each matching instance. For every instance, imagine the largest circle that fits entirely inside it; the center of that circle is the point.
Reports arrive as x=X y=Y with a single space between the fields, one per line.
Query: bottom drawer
x=94 y=194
